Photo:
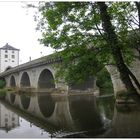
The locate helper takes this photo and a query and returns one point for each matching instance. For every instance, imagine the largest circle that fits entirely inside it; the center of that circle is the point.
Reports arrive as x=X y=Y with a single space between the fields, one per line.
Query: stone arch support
x=118 y=85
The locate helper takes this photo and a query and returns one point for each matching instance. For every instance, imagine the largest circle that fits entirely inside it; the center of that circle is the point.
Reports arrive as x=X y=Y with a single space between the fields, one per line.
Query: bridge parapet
x=46 y=60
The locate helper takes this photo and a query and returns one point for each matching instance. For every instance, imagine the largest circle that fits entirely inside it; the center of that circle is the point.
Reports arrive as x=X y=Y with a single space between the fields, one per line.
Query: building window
x=6 y=56
x=13 y=56
x=13 y=61
x=6 y=120
x=12 y=51
x=6 y=51
x=5 y=60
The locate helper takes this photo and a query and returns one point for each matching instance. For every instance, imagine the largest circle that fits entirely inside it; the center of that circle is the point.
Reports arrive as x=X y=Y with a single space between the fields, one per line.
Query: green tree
x=91 y=34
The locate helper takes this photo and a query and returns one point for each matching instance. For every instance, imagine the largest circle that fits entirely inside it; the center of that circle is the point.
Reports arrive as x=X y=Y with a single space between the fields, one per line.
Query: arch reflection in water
x=12 y=98
x=26 y=125
x=46 y=104
x=84 y=112
x=25 y=101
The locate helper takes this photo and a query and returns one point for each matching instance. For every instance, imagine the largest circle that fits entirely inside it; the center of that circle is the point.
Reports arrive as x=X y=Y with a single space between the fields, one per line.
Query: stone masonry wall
x=115 y=76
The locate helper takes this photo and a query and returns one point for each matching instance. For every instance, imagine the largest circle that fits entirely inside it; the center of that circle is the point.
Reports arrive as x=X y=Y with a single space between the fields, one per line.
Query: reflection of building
x=8 y=119
x=9 y=57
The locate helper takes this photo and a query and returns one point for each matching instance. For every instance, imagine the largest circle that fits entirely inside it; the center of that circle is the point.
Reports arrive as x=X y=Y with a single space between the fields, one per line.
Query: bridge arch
x=12 y=81
x=46 y=79
x=25 y=80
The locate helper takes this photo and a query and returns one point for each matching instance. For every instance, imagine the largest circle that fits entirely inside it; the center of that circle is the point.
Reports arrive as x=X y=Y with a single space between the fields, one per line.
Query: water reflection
x=46 y=104
x=25 y=101
x=18 y=124
x=84 y=112
x=106 y=107
x=68 y=116
x=8 y=119
x=63 y=116
x=12 y=98
x=125 y=122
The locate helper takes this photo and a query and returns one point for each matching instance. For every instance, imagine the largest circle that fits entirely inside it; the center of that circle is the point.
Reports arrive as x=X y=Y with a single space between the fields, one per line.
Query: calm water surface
x=70 y=117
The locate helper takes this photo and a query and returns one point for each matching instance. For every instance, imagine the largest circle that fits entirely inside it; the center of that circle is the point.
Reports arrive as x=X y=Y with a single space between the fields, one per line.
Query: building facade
x=8 y=119
x=9 y=57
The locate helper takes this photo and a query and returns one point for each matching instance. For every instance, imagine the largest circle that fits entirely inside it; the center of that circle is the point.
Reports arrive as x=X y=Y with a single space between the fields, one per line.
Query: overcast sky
x=17 y=28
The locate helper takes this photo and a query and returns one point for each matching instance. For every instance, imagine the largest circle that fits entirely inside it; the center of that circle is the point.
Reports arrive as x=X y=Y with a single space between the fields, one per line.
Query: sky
x=17 y=28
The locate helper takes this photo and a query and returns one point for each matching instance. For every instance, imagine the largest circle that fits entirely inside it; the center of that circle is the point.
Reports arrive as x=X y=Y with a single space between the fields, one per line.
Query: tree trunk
x=138 y=7
x=134 y=78
x=115 y=47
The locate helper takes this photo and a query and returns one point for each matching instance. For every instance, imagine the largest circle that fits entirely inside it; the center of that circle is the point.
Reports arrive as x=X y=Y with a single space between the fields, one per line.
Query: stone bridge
x=115 y=76
x=39 y=75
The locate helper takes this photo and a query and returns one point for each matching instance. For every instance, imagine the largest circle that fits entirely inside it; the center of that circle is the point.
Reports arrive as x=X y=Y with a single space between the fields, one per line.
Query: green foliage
x=75 y=27
x=104 y=81
x=79 y=68
x=2 y=84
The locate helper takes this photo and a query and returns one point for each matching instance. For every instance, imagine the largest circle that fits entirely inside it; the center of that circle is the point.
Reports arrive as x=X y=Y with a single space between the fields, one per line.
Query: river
x=71 y=116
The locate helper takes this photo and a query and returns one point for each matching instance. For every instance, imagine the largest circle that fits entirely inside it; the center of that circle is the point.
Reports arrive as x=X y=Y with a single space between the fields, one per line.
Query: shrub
x=2 y=84
x=104 y=81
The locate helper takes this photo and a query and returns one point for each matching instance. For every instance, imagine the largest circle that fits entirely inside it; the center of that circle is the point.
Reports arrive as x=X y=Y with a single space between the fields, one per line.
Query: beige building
x=9 y=57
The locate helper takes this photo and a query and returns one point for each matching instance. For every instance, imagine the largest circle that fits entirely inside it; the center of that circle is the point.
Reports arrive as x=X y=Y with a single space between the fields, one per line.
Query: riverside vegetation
x=2 y=89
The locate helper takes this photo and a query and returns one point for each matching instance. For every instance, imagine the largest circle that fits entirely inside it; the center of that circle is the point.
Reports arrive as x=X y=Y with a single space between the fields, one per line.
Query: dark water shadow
x=85 y=114
x=12 y=98
x=46 y=104
x=25 y=101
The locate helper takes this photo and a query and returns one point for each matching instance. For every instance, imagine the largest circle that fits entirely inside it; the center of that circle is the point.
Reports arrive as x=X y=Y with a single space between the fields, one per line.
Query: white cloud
x=18 y=29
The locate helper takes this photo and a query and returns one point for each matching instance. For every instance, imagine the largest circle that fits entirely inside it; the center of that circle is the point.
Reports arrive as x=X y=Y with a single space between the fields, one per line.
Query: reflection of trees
x=126 y=122
x=106 y=107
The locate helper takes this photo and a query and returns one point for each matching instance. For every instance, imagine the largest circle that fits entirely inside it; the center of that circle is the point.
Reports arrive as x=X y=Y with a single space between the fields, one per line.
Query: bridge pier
x=118 y=85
